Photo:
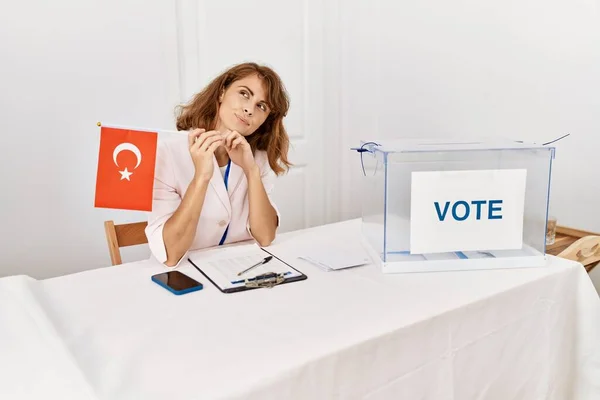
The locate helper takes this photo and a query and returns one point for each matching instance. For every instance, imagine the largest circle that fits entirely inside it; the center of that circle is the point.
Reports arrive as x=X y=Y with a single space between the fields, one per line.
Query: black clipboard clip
x=267 y=280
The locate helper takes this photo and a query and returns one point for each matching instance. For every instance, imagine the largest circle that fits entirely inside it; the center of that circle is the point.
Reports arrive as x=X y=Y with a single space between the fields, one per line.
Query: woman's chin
x=241 y=127
x=243 y=130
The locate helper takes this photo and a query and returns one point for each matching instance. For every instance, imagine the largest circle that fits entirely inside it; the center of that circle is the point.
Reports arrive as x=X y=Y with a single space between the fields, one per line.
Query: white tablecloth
x=34 y=361
x=355 y=334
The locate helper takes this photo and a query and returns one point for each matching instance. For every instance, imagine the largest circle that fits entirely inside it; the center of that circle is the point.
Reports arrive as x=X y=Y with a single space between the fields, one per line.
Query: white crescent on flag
x=127 y=146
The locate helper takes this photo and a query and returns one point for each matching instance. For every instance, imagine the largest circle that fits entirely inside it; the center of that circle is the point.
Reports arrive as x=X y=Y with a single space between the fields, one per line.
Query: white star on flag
x=125 y=174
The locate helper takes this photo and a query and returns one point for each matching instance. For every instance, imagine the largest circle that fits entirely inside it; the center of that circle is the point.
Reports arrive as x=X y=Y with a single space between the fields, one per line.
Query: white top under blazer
x=223 y=209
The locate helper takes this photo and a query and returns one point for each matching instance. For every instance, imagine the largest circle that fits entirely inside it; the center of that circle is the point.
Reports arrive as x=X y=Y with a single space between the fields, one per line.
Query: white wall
x=524 y=69
x=66 y=65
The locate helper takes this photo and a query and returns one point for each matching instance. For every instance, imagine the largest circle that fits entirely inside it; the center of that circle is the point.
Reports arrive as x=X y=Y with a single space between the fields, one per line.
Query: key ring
x=267 y=280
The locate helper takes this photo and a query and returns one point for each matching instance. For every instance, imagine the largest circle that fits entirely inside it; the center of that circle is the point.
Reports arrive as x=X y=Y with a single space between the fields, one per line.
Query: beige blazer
x=222 y=207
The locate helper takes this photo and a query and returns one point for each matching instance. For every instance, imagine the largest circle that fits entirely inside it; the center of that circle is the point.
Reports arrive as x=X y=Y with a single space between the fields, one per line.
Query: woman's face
x=243 y=106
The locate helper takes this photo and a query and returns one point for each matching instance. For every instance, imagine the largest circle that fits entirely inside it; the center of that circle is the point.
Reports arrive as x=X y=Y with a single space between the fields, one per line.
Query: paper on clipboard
x=223 y=265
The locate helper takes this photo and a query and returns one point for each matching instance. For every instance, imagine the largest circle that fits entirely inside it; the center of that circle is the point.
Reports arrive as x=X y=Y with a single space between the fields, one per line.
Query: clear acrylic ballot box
x=439 y=206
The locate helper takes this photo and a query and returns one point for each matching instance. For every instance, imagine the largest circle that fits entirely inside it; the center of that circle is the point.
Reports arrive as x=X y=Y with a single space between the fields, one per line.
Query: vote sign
x=467 y=210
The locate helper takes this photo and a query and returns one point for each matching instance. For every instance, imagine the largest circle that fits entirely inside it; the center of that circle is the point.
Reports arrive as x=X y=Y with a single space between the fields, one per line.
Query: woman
x=214 y=186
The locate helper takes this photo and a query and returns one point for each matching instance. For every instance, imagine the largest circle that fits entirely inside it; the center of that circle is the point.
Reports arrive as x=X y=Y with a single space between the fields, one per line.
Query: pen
x=264 y=261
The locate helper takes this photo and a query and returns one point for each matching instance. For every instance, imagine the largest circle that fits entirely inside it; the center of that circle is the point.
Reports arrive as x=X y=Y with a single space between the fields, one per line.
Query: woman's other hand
x=239 y=150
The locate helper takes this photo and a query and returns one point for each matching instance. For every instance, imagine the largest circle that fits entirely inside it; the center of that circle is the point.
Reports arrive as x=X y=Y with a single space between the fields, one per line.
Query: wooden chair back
x=577 y=245
x=585 y=251
x=123 y=235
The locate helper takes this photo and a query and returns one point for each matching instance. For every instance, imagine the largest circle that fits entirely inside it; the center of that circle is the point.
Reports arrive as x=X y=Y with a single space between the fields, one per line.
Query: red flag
x=125 y=169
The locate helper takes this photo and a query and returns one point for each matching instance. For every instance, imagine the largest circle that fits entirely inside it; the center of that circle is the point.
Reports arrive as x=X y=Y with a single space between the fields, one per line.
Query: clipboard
x=259 y=280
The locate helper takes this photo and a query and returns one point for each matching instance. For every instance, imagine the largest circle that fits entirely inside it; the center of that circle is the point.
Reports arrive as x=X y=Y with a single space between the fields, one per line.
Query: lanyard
x=226 y=176
x=226 y=180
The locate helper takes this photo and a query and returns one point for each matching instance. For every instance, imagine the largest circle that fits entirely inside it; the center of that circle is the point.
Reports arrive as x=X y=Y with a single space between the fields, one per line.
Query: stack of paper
x=336 y=256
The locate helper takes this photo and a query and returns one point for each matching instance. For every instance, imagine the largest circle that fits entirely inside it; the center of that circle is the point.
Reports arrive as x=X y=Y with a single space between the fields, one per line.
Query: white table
x=111 y=333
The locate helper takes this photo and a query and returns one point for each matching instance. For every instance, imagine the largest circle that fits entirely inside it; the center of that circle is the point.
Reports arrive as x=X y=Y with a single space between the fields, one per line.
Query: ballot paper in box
x=439 y=206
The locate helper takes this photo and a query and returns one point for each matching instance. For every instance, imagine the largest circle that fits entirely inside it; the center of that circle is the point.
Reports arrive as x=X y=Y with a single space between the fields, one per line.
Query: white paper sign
x=467 y=210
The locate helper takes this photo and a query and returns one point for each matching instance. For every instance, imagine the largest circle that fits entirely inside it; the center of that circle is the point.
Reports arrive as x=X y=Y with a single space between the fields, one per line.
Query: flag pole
x=133 y=128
